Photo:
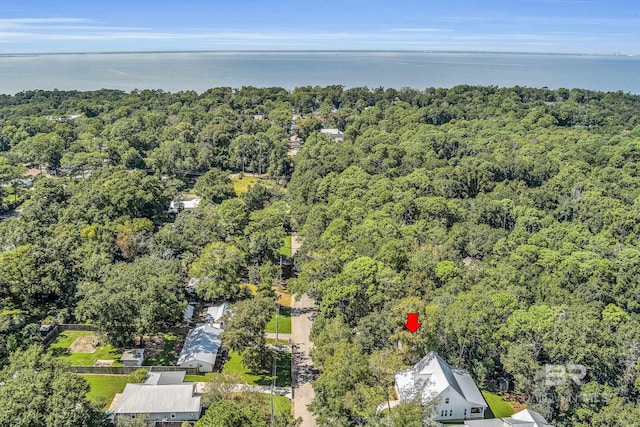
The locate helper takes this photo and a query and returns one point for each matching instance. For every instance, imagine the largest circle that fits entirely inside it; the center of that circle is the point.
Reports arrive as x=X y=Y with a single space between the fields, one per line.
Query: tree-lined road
x=302 y=370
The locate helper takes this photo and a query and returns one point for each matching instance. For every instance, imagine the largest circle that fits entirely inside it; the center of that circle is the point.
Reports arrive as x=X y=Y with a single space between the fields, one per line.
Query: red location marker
x=412 y=322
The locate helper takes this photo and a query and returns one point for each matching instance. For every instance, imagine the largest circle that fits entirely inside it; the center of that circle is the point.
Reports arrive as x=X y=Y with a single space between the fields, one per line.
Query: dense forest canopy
x=508 y=218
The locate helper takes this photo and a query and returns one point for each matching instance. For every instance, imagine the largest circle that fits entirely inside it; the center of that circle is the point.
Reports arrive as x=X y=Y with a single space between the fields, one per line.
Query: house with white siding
x=451 y=390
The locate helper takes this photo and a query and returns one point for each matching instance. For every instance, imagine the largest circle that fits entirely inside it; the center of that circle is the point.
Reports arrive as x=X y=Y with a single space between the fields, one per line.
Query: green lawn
x=66 y=338
x=60 y=346
x=235 y=365
x=285 y=250
x=284 y=322
x=105 y=387
x=169 y=355
x=241 y=186
x=281 y=404
x=499 y=407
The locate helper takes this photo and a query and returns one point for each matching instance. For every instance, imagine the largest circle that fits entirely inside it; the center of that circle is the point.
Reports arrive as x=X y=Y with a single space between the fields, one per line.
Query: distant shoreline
x=175 y=71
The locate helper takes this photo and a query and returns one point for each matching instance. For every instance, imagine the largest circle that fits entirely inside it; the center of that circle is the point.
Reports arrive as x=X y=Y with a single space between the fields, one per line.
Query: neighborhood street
x=302 y=370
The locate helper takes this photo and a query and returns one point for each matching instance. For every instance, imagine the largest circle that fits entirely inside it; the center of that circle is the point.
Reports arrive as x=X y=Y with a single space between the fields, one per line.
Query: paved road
x=295 y=243
x=302 y=370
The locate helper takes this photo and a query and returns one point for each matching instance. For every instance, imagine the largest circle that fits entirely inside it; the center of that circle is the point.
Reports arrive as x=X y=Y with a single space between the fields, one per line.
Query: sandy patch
x=103 y=362
x=86 y=344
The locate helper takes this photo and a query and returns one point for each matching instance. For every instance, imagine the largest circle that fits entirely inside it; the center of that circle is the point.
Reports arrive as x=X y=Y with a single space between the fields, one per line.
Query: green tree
x=215 y=186
x=225 y=413
x=134 y=299
x=38 y=390
x=220 y=267
x=244 y=331
x=266 y=232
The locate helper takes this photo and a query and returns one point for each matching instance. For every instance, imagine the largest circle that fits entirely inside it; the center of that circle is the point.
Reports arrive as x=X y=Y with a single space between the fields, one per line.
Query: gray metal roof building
x=201 y=348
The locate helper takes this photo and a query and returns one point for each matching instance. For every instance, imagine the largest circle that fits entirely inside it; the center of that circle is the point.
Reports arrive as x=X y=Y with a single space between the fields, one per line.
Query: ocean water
x=202 y=70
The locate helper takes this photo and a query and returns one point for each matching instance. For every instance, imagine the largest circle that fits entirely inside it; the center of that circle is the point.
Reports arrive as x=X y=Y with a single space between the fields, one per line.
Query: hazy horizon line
x=115 y=52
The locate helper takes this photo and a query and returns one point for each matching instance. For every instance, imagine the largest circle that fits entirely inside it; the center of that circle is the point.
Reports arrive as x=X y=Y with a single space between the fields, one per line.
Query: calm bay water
x=203 y=70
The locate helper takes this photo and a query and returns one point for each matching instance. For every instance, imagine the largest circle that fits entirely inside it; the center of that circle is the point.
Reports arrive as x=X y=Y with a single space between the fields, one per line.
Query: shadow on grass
x=488 y=413
x=59 y=352
x=169 y=354
x=283 y=371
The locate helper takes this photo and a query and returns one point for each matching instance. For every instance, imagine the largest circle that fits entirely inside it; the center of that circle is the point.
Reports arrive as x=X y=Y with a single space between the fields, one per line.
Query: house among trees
x=335 y=133
x=201 y=348
x=177 y=206
x=524 y=418
x=215 y=314
x=162 y=397
x=451 y=390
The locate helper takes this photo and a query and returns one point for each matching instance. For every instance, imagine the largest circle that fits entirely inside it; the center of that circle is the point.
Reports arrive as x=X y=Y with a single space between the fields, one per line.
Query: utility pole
x=275 y=363
x=259 y=158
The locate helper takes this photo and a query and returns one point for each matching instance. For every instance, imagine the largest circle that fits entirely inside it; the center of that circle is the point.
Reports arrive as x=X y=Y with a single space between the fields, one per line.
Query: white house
x=177 y=206
x=452 y=390
x=215 y=314
x=201 y=348
x=335 y=133
x=165 y=402
x=524 y=418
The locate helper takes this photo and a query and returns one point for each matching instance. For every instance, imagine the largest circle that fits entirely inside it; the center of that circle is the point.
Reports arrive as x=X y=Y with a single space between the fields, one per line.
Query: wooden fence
x=53 y=333
x=113 y=370
x=126 y=370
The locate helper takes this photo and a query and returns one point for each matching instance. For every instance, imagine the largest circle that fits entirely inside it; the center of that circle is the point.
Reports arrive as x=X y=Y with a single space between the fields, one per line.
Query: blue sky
x=559 y=26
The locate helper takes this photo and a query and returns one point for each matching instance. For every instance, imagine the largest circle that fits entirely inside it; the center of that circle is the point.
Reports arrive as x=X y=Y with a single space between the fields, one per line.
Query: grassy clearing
x=66 y=338
x=285 y=250
x=253 y=288
x=200 y=378
x=105 y=387
x=284 y=322
x=497 y=405
x=241 y=186
x=60 y=348
x=235 y=365
x=281 y=404
x=284 y=297
x=169 y=355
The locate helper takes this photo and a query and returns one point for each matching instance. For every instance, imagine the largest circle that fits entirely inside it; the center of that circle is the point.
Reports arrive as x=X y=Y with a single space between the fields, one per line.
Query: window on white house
x=446 y=400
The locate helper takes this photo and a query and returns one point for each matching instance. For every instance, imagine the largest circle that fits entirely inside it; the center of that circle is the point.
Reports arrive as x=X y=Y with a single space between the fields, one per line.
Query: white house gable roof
x=216 y=312
x=437 y=375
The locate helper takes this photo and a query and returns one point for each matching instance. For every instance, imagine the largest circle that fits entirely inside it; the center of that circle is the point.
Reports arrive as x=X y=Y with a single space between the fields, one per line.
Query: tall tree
x=134 y=299
x=39 y=391
x=215 y=186
x=219 y=268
